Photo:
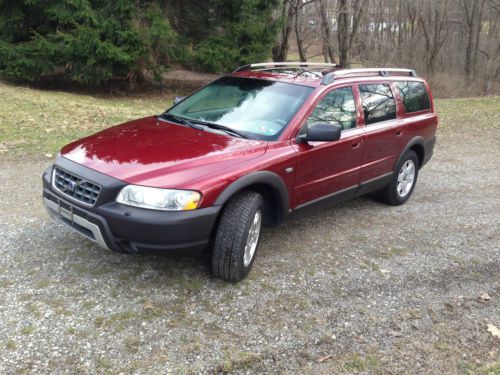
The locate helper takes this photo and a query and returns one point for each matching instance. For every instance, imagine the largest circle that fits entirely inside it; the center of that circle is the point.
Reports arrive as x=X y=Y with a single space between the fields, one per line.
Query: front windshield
x=259 y=109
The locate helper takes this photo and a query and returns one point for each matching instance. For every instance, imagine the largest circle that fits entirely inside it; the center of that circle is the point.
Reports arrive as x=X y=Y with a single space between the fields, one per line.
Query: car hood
x=154 y=152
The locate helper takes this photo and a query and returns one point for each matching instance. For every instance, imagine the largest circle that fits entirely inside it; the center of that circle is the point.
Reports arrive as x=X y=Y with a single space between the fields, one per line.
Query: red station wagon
x=246 y=151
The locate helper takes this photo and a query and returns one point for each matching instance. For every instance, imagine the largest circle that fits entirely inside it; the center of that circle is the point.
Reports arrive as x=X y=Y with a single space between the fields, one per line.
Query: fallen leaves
x=495 y=332
x=325 y=358
x=485 y=297
x=148 y=306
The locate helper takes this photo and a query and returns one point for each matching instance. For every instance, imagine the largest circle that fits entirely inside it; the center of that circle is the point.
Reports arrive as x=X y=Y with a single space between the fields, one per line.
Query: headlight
x=159 y=199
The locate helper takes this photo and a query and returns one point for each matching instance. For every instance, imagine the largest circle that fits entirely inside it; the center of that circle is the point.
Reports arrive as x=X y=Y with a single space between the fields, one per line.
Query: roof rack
x=276 y=65
x=383 y=72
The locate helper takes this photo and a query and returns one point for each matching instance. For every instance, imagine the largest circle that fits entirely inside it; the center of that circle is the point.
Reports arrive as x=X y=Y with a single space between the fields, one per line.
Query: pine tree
x=84 y=41
x=92 y=41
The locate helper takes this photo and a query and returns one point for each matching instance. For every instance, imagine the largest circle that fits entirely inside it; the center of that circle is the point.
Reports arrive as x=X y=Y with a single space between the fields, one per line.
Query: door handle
x=356 y=145
x=399 y=132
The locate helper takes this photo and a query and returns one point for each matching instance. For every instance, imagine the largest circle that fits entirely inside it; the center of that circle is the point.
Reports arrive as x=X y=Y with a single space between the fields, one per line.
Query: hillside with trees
x=90 y=42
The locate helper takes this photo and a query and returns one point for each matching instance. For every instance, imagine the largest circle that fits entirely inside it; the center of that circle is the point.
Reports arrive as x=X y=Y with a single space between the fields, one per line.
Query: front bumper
x=123 y=228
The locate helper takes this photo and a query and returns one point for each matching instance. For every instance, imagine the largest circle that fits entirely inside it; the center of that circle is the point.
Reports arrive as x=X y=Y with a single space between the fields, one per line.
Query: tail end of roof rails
x=383 y=72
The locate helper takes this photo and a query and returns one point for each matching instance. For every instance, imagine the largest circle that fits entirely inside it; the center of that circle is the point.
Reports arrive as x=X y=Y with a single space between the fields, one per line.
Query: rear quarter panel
x=417 y=124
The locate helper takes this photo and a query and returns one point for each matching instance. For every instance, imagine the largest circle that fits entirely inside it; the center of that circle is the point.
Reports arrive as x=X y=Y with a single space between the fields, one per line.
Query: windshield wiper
x=181 y=120
x=193 y=124
x=223 y=128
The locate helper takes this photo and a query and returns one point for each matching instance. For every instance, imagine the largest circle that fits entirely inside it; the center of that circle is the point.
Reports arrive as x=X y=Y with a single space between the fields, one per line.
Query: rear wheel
x=238 y=236
x=403 y=181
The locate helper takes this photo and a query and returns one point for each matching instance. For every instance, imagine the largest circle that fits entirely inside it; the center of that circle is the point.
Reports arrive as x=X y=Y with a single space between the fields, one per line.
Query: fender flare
x=414 y=141
x=261 y=177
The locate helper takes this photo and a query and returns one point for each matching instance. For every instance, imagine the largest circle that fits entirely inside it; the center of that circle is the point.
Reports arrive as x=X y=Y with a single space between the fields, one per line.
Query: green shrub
x=243 y=33
x=85 y=41
x=90 y=42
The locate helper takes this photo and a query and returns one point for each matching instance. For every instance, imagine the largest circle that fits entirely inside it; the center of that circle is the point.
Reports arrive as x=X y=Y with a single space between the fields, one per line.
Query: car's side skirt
x=343 y=195
x=326 y=201
x=374 y=184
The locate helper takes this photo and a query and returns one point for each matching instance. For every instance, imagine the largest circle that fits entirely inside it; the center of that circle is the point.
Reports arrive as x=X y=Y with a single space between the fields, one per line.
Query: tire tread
x=231 y=235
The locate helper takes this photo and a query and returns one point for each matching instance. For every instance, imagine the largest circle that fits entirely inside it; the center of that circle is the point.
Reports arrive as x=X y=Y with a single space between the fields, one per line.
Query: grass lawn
x=36 y=122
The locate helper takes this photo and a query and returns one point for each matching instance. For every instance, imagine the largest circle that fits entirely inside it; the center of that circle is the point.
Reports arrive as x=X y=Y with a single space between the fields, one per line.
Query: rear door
x=383 y=129
x=326 y=169
x=416 y=111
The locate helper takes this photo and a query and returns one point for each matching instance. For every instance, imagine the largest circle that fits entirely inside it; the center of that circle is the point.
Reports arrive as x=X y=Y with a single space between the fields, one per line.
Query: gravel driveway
x=360 y=288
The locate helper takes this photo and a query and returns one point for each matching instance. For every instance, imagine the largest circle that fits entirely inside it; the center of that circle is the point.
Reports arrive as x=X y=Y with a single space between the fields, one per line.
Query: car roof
x=317 y=74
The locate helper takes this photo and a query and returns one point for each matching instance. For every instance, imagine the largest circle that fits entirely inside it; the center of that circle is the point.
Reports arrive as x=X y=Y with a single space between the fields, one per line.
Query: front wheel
x=238 y=236
x=403 y=182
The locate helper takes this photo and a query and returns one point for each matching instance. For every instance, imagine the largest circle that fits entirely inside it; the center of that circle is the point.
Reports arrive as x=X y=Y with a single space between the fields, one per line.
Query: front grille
x=75 y=187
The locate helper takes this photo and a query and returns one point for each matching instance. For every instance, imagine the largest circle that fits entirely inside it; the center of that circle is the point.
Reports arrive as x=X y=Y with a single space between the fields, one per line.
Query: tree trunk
x=343 y=33
x=280 y=50
x=433 y=20
x=298 y=36
x=470 y=15
x=324 y=52
x=478 y=28
x=325 y=25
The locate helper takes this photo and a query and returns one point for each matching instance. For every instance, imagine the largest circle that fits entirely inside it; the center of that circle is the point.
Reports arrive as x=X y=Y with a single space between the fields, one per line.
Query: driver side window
x=337 y=107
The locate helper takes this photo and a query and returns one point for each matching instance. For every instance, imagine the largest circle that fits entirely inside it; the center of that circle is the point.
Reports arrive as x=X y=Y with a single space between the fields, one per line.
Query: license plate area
x=66 y=211
x=75 y=219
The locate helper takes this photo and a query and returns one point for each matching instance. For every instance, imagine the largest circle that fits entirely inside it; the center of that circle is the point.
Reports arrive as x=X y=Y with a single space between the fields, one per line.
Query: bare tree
x=459 y=38
x=325 y=26
x=280 y=50
x=348 y=21
x=292 y=12
x=473 y=11
x=432 y=18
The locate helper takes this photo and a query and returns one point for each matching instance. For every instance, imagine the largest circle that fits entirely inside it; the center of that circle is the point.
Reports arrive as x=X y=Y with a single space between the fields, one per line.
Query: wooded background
x=454 y=43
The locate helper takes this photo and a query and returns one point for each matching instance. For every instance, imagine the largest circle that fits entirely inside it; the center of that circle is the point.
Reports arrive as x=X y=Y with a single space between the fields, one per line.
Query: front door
x=325 y=169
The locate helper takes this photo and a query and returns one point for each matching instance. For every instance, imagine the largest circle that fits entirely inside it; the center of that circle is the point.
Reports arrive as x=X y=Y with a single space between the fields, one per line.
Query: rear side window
x=414 y=95
x=378 y=103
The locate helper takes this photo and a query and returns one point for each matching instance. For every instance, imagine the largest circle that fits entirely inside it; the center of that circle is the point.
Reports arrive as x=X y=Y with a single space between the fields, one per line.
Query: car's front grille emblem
x=75 y=187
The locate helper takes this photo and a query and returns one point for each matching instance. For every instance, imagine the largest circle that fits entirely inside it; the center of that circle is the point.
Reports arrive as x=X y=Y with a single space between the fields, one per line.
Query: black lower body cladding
x=123 y=228
x=428 y=150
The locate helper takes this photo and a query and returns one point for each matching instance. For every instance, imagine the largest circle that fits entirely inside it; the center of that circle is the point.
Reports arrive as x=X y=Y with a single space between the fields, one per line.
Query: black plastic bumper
x=125 y=228
x=428 y=150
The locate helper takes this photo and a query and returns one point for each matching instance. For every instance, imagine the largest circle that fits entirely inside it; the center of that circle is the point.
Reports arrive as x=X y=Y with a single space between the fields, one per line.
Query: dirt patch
x=186 y=81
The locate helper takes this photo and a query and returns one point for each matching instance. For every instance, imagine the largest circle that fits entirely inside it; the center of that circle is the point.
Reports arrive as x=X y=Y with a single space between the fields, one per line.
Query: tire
x=238 y=236
x=403 y=181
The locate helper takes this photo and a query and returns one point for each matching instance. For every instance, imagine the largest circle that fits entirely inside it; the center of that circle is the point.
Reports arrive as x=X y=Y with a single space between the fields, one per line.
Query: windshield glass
x=257 y=108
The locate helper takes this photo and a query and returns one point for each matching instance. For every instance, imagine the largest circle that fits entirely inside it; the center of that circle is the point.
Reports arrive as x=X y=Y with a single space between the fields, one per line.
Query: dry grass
x=481 y=113
x=37 y=122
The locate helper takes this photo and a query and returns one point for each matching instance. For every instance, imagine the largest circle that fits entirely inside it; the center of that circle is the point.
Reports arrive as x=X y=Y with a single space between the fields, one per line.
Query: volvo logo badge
x=72 y=185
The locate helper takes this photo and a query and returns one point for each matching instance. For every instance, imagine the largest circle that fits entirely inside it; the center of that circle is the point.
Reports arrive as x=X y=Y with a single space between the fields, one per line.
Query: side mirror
x=321 y=132
x=178 y=99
